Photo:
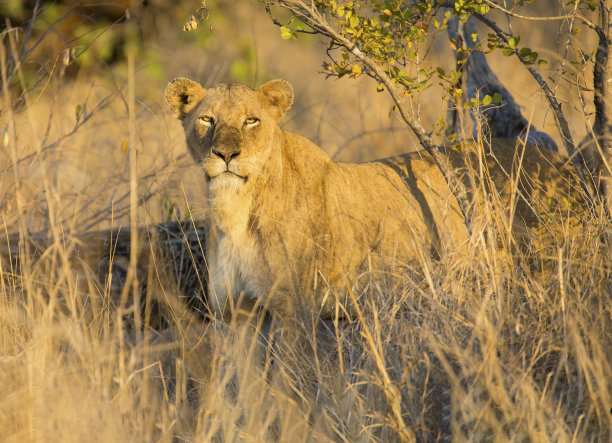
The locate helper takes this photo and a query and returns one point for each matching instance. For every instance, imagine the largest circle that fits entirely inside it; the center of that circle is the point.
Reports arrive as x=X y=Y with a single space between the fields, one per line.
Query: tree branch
x=602 y=126
x=583 y=19
x=586 y=178
x=503 y=120
x=313 y=18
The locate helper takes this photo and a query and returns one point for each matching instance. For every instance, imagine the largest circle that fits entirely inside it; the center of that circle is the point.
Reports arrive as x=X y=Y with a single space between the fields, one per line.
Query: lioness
x=289 y=228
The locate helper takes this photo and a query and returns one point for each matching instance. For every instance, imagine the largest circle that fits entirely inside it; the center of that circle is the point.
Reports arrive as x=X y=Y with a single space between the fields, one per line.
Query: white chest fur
x=230 y=254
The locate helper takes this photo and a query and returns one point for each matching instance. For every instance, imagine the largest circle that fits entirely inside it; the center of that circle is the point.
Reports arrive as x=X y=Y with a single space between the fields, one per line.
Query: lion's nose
x=227 y=156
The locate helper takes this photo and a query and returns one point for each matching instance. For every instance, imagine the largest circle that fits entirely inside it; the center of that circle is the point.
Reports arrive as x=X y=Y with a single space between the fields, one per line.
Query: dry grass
x=493 y=345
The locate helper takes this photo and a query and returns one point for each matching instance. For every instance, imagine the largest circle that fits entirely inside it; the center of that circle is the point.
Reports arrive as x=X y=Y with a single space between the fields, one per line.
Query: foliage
x=397 y=35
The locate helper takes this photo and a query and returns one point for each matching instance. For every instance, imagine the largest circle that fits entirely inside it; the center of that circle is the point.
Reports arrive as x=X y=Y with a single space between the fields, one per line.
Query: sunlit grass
x=491 y=345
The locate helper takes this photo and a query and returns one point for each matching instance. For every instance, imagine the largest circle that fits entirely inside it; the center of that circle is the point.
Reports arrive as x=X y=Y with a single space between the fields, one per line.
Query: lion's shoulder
x=300 y=150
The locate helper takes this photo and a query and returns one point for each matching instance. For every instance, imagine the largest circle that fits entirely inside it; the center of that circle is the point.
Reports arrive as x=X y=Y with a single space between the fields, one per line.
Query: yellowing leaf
x=286 y=33
x=512 y=42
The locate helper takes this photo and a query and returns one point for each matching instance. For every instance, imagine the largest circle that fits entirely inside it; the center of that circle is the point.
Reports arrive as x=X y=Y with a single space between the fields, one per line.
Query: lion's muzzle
x=227 y=143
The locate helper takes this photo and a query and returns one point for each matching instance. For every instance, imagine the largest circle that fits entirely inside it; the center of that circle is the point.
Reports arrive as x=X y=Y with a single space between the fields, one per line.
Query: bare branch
x=583 y=19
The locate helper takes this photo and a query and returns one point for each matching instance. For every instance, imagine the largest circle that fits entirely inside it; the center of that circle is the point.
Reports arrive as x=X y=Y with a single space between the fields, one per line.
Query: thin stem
x=542 y=19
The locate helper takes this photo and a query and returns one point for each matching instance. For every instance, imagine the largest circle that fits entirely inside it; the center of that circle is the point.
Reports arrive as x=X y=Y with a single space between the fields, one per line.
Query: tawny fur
x=289 y=228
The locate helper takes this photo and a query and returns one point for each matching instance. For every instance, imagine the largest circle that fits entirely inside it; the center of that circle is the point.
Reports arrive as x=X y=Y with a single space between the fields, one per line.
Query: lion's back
x=395 y=206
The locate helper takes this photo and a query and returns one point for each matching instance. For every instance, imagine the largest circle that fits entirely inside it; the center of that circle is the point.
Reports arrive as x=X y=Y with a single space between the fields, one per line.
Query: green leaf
x=402 y=74
x=486 y=100
x=513 y=42
x=497 y=98
x=507 y=52
x=542 y=62
x=287 y=33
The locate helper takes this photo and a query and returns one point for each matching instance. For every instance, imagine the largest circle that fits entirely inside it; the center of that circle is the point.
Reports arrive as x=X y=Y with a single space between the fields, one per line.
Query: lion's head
x=229 y=128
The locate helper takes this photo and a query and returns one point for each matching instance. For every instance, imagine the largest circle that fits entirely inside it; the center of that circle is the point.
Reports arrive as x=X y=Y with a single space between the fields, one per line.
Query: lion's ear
x=277 y=97
x=183 y=95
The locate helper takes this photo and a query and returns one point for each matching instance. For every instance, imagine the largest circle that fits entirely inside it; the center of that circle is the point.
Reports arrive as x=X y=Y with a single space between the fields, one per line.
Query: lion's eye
x=251 y=121
x=207 y=120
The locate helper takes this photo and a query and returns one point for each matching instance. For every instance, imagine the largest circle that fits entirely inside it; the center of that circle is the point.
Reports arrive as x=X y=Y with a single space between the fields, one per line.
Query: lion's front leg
x=224 y=286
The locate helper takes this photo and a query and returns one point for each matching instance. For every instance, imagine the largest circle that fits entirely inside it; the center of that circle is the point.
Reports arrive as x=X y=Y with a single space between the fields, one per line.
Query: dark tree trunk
x=496 y=120
x=602 y=126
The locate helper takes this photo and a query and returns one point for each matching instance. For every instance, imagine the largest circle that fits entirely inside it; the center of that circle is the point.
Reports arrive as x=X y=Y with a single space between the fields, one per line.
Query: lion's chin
x=225 y=182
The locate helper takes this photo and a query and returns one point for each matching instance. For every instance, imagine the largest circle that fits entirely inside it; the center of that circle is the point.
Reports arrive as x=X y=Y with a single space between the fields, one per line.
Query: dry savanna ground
x=491 y=346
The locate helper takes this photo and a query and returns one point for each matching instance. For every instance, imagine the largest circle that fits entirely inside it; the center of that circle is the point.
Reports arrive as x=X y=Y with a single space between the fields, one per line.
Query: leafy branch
x=377 y=60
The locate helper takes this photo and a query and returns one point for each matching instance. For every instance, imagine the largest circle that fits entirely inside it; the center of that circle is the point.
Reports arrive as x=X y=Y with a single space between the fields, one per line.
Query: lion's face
x=229 y=128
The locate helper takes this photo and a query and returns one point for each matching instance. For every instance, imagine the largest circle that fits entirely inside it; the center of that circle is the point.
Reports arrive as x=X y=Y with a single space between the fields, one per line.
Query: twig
x=542 y=19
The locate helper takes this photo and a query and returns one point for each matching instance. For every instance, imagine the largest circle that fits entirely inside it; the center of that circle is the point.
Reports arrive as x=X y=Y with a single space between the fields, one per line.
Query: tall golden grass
x=495 y=345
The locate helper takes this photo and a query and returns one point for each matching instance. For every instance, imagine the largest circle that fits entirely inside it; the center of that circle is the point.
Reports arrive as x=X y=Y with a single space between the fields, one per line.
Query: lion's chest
x=235 y=263
x=232 y=257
